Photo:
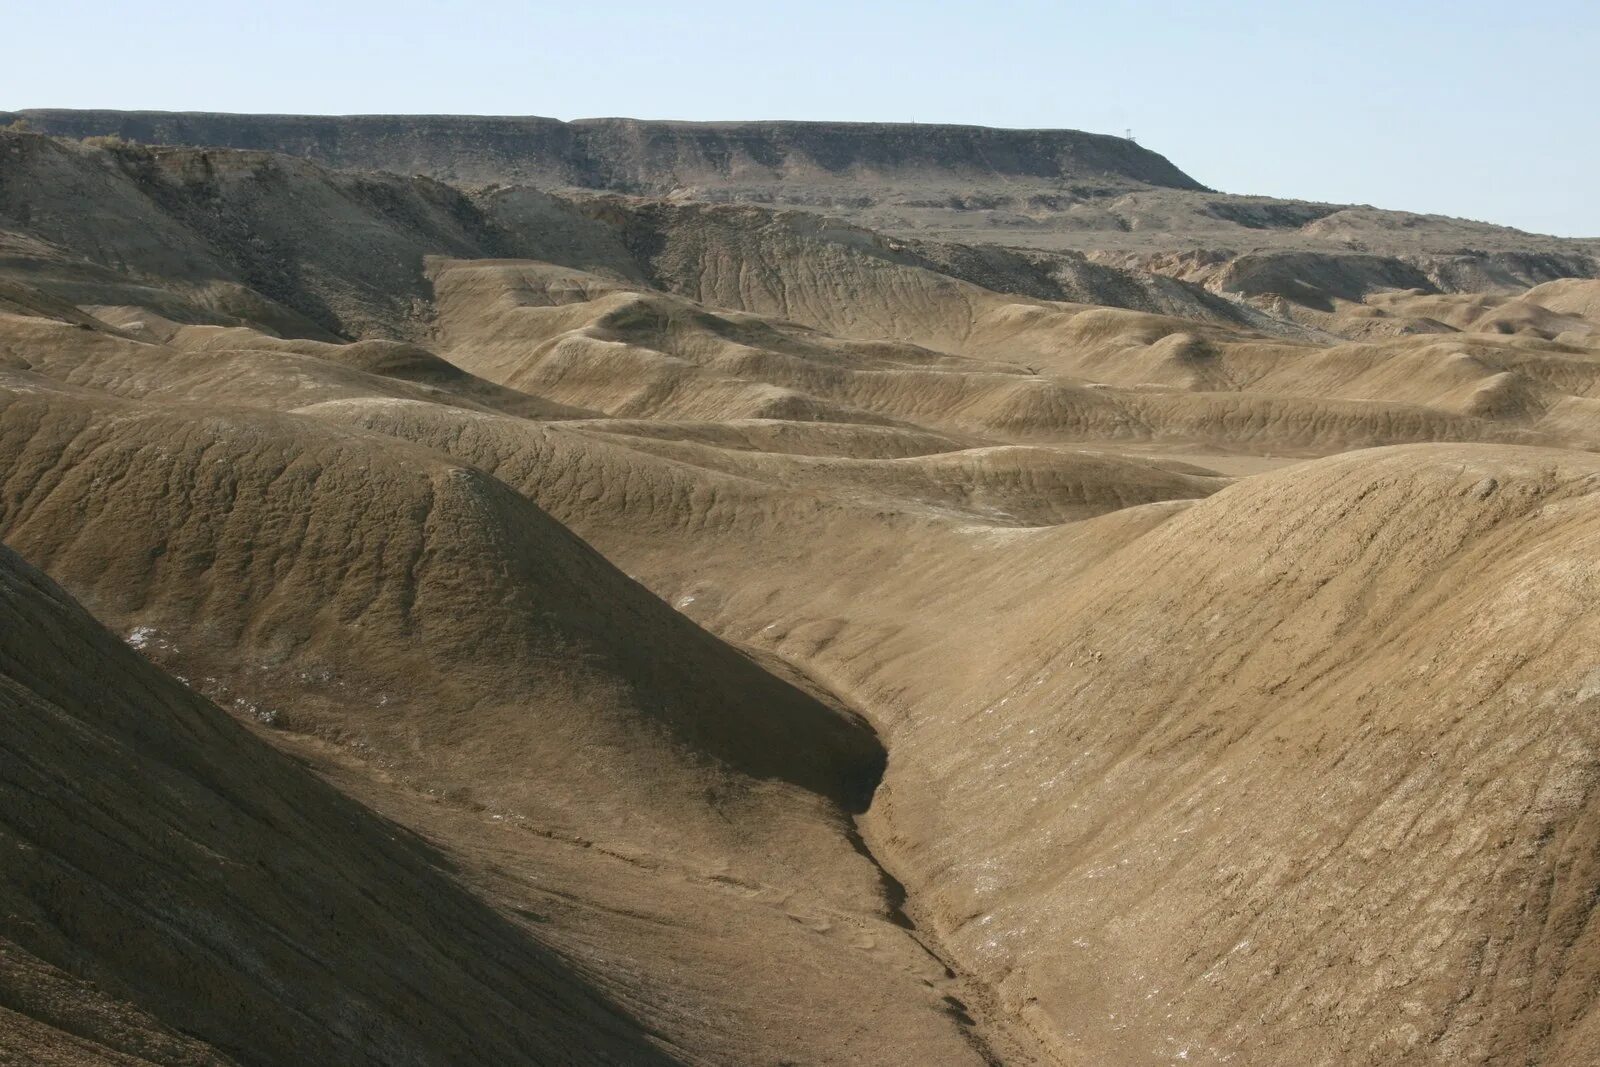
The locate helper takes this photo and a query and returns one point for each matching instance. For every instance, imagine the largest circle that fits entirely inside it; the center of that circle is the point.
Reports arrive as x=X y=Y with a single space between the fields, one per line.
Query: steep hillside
x=1302 y=771
x=177 y=892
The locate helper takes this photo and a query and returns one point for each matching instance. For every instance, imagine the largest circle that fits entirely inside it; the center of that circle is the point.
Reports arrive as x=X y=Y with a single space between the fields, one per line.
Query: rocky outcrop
x=631 y=155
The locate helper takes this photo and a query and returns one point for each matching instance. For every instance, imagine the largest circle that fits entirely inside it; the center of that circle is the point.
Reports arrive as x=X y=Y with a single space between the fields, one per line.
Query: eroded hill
x=592 y=628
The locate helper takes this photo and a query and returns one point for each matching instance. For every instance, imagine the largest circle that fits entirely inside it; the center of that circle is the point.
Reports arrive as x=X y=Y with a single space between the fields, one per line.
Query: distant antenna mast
x=1129 y=134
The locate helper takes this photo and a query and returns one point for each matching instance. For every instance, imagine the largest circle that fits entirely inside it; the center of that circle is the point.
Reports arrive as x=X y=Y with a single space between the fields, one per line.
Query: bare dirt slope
x=426 y=621
x=597 y=628
x=1303 y=771
x=175 y=891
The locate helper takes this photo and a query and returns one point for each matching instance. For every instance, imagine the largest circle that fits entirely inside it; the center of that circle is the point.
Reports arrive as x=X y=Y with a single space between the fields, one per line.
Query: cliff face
x=1050 y=190
x=634 y=156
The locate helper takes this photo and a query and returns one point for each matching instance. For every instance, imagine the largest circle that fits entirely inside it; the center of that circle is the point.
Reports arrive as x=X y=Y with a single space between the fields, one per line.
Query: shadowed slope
x=176 y=892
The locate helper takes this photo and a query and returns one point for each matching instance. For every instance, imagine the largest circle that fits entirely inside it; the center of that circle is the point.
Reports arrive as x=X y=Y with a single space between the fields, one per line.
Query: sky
x=1482 y=110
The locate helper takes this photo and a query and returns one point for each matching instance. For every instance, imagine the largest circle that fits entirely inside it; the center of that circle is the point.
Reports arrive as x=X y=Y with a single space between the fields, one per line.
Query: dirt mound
x=1009 y=368
x=1572 y=296
x=309 y=592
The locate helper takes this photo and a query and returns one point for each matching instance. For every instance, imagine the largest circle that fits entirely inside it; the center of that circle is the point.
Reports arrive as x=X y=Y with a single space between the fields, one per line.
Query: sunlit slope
x=590 y=342
x=1302 y=769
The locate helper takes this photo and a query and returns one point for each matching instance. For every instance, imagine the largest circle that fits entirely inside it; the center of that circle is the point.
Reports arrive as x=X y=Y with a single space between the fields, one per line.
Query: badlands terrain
x=508 y=591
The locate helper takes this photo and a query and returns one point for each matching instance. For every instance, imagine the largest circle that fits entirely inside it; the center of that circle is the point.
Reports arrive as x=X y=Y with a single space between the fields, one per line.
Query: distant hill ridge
x=639 y=156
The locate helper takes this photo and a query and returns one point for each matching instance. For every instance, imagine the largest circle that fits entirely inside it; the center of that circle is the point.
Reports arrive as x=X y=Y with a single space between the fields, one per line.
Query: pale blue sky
x=1484 y=110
